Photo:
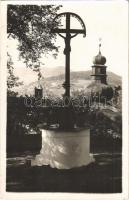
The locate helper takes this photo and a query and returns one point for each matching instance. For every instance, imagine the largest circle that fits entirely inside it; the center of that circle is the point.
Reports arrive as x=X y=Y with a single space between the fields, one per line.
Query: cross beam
x=68 y=31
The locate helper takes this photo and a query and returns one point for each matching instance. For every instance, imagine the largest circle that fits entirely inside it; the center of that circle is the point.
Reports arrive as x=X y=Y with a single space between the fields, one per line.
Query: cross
x=69 y=33
x=100 y=39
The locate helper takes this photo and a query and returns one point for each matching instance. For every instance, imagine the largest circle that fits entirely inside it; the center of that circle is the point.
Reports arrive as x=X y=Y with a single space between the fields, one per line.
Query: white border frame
x=62 y=196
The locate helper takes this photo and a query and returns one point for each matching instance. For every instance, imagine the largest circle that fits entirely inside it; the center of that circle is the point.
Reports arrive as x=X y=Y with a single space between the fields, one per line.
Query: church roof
x=99 y=59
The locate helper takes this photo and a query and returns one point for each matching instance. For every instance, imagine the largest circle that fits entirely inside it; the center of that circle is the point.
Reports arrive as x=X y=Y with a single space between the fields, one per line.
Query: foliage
x=106 y=126
x=31 y=26
x=105 y=118
x=117 y=98
x=100 y=95
x=12 y=80
x=20 y=118
x=102 y=121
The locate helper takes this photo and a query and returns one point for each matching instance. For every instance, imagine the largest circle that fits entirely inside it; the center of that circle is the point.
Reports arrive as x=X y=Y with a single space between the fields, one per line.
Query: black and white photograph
x=66 y=78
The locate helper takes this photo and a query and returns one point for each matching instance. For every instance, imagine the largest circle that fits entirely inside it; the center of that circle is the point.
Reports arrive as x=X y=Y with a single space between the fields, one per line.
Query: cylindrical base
x=64 y=150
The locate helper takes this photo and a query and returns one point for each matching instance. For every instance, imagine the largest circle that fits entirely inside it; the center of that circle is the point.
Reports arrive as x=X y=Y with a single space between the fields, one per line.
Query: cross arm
x=68 y=31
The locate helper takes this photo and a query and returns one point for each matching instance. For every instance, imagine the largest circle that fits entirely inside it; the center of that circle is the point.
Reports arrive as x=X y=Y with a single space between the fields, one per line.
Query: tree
x=12 y=80
x=31 y=26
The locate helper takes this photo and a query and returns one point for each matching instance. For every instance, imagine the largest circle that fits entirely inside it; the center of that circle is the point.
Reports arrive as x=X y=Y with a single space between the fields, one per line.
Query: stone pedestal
x=64 y=150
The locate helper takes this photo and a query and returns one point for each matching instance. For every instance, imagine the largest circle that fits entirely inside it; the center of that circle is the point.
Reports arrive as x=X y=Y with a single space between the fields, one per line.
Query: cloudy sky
x=108 y=20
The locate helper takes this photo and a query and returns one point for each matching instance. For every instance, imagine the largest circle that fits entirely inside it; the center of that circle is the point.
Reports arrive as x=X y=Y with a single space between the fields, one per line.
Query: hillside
x=53 y=85
x=112 y=78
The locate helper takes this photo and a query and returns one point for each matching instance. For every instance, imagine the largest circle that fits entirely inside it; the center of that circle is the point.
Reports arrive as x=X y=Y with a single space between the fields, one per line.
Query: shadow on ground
x=102 y=176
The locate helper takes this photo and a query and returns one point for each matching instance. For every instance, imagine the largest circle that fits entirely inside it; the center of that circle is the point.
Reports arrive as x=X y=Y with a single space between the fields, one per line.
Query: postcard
x=64 y=100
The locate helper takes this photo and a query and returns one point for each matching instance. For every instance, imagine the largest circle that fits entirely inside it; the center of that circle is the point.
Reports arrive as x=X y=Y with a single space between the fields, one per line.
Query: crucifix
x=75 y=146
x=69 y=33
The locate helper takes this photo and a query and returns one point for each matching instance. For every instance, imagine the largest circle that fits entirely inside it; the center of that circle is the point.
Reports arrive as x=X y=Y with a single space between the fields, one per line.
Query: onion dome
x=99 y=59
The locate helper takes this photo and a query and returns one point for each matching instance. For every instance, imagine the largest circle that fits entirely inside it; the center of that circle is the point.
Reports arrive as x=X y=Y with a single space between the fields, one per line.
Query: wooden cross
x=69 y=33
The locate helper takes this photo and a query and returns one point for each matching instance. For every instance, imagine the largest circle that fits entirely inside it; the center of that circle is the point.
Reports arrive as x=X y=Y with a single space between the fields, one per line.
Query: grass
x=102 y=176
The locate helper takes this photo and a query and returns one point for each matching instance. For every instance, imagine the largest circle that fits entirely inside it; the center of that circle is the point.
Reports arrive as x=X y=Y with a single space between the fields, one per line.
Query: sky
x=107 y=20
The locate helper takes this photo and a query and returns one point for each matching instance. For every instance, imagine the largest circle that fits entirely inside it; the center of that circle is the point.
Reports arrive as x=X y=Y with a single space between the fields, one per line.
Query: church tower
x=99 y=68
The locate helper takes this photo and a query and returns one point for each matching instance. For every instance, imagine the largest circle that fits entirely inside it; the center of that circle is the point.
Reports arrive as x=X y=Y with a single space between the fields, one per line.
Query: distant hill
x=52 y=71
x=28 y=75
x=53 y=84
x=112 y=78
